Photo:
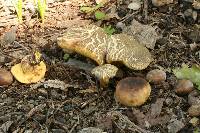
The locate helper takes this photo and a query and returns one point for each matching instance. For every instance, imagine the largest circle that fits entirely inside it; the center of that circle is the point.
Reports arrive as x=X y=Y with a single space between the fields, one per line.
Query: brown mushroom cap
x=156 y=76
x=132 y=91
x=6 y=77
x=184 y=86
x=32 y=74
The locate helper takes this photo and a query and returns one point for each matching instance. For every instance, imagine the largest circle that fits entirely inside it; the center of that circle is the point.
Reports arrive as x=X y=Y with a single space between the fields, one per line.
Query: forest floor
x=34 y=108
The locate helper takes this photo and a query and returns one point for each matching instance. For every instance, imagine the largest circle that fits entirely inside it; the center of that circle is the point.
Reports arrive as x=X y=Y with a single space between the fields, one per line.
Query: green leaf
x=192 y=74
x=109 y=30
x=66 y=56
x=87 y=9
x=196 y=130
x=42 y=9
x=100 y=15
x=18 y=7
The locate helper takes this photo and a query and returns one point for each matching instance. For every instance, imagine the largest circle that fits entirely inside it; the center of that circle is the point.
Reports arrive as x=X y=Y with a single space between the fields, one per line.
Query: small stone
x=54 y=94
x=184 y=86
x=28 y=131
x=58 y=131
x=194 y=15
x=10 y=36
x=41 y=98
x=31 y=106
x=90 y=130
x=194 y=121
x=135 y=5
x=3 y=96
x=169 y=101
x=120 y=25
x=2 y=59
x=6 y=77
x=158 y=3
x=194 y=110
x=194 y=35
x=43 y=91
x=188 y=13
x=193 y=46
x=194 y=98
x=175 y=126
x=156 y=76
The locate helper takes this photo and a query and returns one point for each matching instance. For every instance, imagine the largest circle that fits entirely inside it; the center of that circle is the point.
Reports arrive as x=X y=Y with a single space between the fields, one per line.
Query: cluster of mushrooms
x=91 y=41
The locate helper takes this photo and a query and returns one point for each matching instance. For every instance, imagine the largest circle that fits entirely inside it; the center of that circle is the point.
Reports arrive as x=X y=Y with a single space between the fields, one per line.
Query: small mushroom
x=132 y=91
x=104 y=73
x=156 y=76
x=6 y=77
x=27 y=72
x=194 y=110
x=184 y=86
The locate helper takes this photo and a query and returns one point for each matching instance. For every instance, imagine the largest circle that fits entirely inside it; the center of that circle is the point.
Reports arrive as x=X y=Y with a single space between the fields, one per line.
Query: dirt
x=36 y=108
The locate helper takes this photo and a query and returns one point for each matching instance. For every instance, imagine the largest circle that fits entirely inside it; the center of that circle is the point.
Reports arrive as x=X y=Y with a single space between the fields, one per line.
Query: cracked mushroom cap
x=104 y=73
x=88 y=40
x=132 y=91
x=91 y=41
x=25 y=72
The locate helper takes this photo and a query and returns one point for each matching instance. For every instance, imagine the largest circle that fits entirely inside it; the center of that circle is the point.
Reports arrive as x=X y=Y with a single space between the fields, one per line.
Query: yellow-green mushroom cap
x=32 y=75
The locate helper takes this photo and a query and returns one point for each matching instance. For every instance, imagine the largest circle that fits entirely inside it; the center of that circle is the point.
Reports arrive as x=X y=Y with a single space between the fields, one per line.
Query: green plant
x=109 y=29
x=66 y=56
x=99 y=15
x=18 y=8
x=42 y=4
x=192 y=74
x=196 y=130
x=88 y=9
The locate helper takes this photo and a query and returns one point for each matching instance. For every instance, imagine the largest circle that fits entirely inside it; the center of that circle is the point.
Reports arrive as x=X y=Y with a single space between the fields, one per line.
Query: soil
x=36 y=108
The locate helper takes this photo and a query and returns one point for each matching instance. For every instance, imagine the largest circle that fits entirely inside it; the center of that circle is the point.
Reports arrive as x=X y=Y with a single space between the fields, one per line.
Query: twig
x=128 y=16
x=72 y=129
x=145 y=10
x=61 y=125
x=122 y=122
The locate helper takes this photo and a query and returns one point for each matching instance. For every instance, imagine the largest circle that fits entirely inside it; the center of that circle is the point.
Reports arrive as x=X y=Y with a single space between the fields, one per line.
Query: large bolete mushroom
x=91 y=41
x=27 y=72
x=132 y=91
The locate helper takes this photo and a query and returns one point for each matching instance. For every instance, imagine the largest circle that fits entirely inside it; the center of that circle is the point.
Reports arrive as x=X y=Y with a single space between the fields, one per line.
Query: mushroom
x=6 y=77
x=184 y=86
x=132 y=91
x=156 y=76
x=104 y=73
x=91 y=41
x=28 y=72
